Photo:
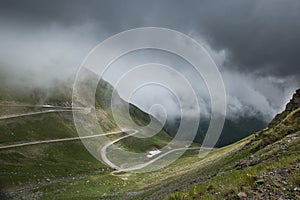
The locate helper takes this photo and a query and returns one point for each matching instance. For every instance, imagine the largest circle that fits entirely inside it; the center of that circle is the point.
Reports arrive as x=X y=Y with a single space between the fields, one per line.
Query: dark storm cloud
x=110 y=16
x=255 y=43
x=259 y=35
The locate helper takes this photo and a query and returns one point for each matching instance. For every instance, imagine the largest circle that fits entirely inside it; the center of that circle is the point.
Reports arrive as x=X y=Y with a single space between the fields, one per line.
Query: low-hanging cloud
x=254 y=43
x=39 y=56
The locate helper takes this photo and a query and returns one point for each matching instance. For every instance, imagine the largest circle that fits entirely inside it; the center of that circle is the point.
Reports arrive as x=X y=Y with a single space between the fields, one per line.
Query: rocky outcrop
x=294 y=102
x=291 y=106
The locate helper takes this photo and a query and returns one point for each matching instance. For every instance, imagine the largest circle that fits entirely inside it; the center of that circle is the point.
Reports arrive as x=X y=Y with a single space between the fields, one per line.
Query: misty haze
x=145 y=99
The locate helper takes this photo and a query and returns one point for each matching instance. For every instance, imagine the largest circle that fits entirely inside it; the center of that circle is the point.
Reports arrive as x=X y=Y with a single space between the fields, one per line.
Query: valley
x=42 y=157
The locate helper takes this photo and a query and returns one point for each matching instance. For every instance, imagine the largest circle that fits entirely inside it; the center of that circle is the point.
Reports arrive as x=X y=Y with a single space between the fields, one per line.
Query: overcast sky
x=256 y=44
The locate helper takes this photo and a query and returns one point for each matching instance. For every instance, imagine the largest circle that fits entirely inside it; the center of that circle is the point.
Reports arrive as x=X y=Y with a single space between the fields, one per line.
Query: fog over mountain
x=254 y=43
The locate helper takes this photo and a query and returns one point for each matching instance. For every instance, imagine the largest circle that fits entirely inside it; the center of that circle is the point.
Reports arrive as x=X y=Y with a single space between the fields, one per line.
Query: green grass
x=290 y=124
x=63 y=168
x=230 y=183
x=145 y=144
x=9 y=110
x=269 y=150
x=189 y=167
x=36 y=127
x=33 y=164
x=70 y=166
x=66 y=170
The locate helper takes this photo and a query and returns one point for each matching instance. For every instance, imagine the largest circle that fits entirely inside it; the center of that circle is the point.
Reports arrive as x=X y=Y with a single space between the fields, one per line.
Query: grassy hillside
x=28 y=168
x=261 y=166
x=266 y=167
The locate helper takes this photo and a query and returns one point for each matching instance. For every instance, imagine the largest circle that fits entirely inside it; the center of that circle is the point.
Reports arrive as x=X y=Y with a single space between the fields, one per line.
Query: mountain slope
x=31 y=167
x=266 y=167
x=65 y=170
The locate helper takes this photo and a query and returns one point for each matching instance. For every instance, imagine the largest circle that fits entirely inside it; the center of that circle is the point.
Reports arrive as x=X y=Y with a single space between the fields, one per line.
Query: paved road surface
x=102 y=150
x=57 y=140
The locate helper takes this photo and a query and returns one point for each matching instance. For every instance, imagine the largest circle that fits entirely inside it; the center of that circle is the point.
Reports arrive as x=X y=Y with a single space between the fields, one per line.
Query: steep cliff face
x=285 y=123
x=291 y=106
x=295 y=102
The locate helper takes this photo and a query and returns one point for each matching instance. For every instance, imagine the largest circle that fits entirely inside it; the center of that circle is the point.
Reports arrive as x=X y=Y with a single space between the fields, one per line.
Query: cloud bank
x=254 y=43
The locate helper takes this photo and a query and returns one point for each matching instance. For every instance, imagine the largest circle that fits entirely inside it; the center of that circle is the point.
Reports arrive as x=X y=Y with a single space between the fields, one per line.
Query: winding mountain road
x=140 y=166
x=102 y=150
x=31 y=113
x=58 y=140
